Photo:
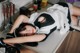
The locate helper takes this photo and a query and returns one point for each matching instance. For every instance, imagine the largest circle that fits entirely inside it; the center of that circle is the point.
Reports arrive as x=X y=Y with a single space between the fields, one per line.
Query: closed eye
x=23 y=28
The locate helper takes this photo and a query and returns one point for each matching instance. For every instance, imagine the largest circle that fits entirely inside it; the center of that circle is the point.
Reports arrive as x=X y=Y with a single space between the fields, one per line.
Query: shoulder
x=34 y=14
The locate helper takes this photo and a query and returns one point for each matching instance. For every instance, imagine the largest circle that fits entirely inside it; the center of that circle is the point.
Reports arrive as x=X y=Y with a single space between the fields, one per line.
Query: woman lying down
x=32 y=29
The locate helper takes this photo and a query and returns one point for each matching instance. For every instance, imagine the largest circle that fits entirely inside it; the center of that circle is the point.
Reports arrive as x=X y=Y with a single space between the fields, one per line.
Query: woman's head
x=25 y=29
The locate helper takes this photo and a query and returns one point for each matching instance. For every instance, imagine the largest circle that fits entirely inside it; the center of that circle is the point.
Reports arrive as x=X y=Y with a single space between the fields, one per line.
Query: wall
x=55 y=1
x=1 y=15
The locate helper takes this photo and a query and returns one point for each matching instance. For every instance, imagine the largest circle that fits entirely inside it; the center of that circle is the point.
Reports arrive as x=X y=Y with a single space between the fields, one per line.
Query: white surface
x=76 y=27
x=20 y=3
x=53 y=1
x=51 y=44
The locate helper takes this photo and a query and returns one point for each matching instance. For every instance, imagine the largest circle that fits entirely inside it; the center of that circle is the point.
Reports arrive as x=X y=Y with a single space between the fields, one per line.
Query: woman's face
x=29 y=30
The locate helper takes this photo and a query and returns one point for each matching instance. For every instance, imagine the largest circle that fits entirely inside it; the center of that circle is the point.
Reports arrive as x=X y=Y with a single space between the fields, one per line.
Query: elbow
x=42 y=38
x=35 y=38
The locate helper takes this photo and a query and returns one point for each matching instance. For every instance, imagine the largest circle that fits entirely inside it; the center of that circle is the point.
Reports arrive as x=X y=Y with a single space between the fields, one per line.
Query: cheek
x=23 y=32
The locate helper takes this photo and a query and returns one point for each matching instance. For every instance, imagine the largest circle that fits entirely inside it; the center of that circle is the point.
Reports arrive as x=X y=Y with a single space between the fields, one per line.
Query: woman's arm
x=19 y=20
x=33 y=38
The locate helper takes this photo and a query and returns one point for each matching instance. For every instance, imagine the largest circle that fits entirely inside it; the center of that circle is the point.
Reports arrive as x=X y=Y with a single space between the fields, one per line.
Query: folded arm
x=33 y=38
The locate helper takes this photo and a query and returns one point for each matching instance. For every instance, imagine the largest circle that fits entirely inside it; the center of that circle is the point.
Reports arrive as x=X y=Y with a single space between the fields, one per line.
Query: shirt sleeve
x=47 y=29
x=33 y=17
x=52 y=30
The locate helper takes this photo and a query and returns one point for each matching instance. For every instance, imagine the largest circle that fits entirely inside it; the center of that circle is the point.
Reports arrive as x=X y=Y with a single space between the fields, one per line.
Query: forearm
x=18 y=21
x=34 y=38
x=14 y=40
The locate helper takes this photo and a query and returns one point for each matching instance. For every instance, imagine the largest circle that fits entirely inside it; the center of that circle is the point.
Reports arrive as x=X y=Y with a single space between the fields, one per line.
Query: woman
x=40 y=25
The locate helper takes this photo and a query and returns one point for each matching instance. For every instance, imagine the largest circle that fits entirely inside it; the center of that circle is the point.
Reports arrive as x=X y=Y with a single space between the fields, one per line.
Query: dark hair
x=21 y=28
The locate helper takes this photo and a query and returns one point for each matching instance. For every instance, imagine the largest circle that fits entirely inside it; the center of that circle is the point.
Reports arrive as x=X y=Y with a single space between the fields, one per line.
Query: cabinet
x=71 y=44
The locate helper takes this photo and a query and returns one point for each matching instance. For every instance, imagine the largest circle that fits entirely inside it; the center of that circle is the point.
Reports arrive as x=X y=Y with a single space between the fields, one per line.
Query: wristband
x=1 y=42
